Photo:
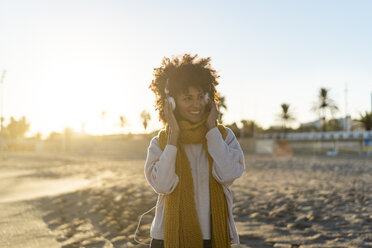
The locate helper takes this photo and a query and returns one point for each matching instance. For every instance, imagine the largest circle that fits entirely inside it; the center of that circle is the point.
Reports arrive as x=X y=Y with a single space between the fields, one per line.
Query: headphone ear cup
x=206 y=98
x=172 y=102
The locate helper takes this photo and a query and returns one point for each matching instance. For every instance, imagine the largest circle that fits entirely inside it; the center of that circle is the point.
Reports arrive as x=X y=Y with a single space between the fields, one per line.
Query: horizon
x=279 y=128
x=66 y=62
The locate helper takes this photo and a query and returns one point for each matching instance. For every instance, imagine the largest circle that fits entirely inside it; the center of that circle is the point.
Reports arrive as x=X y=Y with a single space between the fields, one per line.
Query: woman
x=193 y=161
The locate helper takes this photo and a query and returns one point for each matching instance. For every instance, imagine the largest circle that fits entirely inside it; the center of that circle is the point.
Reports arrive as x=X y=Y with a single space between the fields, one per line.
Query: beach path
x=21 y=223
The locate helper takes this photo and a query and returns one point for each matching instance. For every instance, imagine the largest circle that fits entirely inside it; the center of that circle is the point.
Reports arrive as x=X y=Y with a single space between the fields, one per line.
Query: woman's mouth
x=195 y=112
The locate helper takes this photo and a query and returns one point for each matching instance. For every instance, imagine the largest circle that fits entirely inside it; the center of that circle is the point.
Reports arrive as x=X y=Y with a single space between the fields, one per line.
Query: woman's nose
x=197 y=103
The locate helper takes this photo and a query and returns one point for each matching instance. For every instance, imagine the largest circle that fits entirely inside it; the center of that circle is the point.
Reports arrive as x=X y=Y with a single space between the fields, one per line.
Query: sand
x=305 y=202
x=95 y=201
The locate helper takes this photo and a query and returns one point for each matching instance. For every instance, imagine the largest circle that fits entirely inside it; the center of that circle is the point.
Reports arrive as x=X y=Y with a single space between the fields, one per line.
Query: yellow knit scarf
x=181 y=224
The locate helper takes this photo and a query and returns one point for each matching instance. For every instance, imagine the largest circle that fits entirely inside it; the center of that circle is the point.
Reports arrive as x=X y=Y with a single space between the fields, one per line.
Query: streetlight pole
x=1 y=116
x=1 y=96
x=347 y=120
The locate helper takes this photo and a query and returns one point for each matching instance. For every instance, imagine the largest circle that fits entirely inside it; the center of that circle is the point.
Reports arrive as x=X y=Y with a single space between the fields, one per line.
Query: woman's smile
x=195 y=112
x=191 y=105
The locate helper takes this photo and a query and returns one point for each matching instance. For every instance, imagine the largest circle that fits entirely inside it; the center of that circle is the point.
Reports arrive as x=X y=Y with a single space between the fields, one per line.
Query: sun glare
x=75 y=92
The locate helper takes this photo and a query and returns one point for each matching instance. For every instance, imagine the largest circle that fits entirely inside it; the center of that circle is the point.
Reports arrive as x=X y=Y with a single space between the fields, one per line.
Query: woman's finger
x=212 y=103
x=166 y=110
x=214 y=107
x=214 y=111
x=169 y=115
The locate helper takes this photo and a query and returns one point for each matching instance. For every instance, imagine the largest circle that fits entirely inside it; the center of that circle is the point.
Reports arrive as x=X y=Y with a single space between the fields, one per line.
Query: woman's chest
x=198 y=162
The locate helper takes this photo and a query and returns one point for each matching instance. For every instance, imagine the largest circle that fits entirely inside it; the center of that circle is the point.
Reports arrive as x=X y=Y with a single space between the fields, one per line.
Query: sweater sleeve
x=160 y=169
x=228 y=157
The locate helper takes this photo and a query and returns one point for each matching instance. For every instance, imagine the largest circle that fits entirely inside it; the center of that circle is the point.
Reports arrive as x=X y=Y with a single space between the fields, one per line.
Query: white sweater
x=228 y=164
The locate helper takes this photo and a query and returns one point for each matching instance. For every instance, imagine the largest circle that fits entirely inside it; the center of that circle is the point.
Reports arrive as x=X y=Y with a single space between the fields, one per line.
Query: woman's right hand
x=174 y=129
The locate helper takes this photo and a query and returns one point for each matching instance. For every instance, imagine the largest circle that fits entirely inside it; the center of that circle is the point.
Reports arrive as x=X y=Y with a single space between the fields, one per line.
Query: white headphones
x=173 y=102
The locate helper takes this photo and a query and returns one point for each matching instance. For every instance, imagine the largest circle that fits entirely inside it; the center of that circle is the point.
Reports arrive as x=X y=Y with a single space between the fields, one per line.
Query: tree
x=37 y=136
x=54 y=136
x=366 y=120
x=334 y=125
x=17 y=129
x=123 y=121
x=249 y=128
x=221 y=105
x=235 y=129
x=323 y=104
x=286 y=116
x=145 y=117
x=307 y=129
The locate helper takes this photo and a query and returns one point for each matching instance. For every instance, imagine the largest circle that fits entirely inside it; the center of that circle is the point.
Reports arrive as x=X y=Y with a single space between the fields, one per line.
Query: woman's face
x=191 y=105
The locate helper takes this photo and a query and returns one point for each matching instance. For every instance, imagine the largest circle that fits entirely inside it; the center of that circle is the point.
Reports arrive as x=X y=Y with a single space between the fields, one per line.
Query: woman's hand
x=174 y=129
x=213 y=115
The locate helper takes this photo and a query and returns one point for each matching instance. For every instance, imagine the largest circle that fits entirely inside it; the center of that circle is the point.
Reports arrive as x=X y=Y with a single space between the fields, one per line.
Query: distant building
x=346 y=123
x=357 y=126
x=317 y=124
x=276 y=127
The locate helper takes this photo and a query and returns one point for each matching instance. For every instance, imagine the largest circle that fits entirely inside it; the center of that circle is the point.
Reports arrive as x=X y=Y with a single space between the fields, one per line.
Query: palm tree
x=324 y=102
x=286 y=116
x=221 y=104
x=366 y=120
x=146 y=117
x=122 y=122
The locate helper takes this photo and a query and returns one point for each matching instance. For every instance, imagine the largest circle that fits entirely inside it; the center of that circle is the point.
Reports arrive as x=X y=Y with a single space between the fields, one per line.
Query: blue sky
x=67 y=61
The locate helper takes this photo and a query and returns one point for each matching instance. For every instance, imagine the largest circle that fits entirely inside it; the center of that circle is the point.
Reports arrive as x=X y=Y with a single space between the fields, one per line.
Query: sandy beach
x=76 y=200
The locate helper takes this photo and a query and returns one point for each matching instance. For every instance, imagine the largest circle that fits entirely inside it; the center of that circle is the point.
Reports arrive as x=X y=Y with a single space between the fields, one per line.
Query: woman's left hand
x=212 y=117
